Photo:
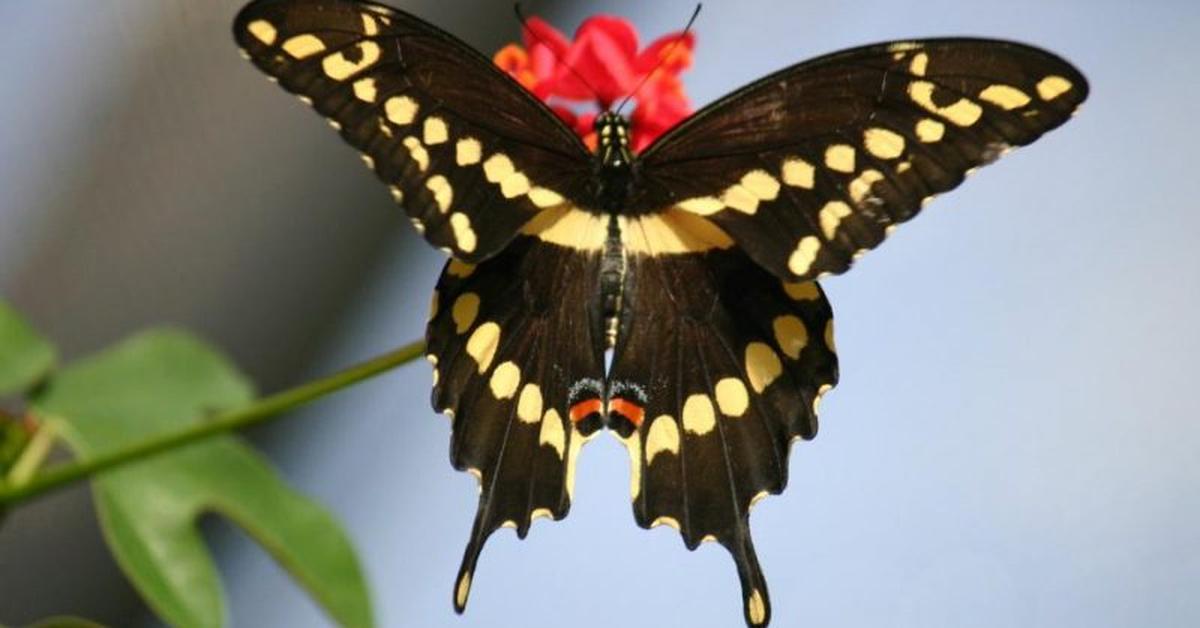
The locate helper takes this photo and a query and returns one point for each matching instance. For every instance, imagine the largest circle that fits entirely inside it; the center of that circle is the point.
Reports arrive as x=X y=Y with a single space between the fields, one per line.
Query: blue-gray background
x=1014 y=442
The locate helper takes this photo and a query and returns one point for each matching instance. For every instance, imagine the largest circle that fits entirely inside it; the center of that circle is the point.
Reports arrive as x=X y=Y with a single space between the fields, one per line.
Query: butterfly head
x=612 y=129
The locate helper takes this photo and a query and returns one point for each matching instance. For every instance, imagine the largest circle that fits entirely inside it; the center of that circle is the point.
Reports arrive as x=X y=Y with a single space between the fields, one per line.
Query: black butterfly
x=693 y=261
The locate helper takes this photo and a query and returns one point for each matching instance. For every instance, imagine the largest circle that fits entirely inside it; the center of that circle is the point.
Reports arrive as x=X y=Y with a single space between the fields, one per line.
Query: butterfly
x=693 y=263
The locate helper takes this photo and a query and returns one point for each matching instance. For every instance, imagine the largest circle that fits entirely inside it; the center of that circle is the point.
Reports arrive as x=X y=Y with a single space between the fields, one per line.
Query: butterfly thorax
x=612 y=131
x=614 y=161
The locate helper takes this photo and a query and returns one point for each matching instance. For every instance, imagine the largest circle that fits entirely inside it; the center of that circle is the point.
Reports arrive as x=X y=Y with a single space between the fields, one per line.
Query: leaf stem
x=253 y=413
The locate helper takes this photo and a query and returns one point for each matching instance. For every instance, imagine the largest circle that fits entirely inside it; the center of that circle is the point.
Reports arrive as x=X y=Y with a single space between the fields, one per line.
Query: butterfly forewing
x=812 y=166
x=469 y=153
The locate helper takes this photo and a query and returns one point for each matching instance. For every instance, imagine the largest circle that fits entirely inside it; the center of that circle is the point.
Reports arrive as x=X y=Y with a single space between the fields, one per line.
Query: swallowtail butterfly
x=694 y=261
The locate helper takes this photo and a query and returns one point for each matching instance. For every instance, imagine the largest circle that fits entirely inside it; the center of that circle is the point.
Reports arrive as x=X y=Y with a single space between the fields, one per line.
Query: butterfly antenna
x=662 y=58
x=532 y=33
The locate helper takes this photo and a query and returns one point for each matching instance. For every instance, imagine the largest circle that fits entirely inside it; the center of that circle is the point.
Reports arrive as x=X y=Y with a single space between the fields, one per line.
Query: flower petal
x=617 y=30
x=673 y=50
x=538 y=33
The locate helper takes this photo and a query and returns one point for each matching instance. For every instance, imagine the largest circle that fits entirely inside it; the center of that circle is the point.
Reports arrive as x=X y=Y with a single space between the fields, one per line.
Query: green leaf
x=25 y=357
x=157 y=382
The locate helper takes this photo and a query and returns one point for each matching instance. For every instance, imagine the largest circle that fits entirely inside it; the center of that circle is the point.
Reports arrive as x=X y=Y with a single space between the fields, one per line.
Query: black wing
x=510 y=339
x=728 y=364
x=470 y=154
x=812 y=166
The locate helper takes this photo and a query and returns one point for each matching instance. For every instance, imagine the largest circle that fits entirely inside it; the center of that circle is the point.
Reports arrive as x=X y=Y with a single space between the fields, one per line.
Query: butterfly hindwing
x=727 y=364
x=469 y=153
x=812 y=166
x=508 y=339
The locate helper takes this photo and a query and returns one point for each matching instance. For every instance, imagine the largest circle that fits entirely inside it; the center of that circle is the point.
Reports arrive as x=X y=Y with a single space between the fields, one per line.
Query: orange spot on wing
x=584 y=409
x=628 y=409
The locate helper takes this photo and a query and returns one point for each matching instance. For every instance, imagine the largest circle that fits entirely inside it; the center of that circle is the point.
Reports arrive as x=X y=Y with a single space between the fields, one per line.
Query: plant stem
x=34 y=454
x=256 y=412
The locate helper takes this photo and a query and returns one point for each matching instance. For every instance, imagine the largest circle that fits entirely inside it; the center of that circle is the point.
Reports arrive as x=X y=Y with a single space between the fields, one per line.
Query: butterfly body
x=693 y=261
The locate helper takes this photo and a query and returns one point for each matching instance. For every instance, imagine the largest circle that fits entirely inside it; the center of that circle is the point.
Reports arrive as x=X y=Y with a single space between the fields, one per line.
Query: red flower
x=601 y=66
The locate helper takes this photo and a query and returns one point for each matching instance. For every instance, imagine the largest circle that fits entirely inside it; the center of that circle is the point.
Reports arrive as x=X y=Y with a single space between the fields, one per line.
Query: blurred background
x=1014 y=441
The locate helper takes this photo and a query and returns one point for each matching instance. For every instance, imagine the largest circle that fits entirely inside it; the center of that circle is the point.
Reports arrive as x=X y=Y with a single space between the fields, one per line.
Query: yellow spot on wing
x=462 y=590
x=670 y=522
x=829 y=336
x=756 y=608
x=417 y=152
x=791 y=335
x=840 y=157
x=459 y=269
x=552 y=433
x=364 y=89
x=263 y=31
x=671 y=232
x=338 y=67
x=739 y=198
x=435 y=131
x=1052 y=87
x=919 y=64
x=467 y=151
x=303 y=46
x=400 y=110
x=816 y=404
x=433 y=362
x=802 y=291
x=633 y=446
x=529 y=404
x=831 y=216
x=498 y=167
x=464 y=236
x=698 y=415
x=1006 y=97
x=482 y=345
x=568 y=227
x=805 y=254
x=930 y=130
x=762 y=366
x=443 y=194
x=464 y=311
x=662 y=436
x=861 y=186
x=505 y=380
x=543 y=197
x=369 y=25
x=514 y=185
x=883 y=143
x=798 y=173
x=732 y=398
x=761 y=184
x=963 y=112
x=701 y=205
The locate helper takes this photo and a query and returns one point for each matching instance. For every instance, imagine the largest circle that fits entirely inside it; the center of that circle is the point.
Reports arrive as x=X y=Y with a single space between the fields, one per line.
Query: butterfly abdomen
x=613 y=271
